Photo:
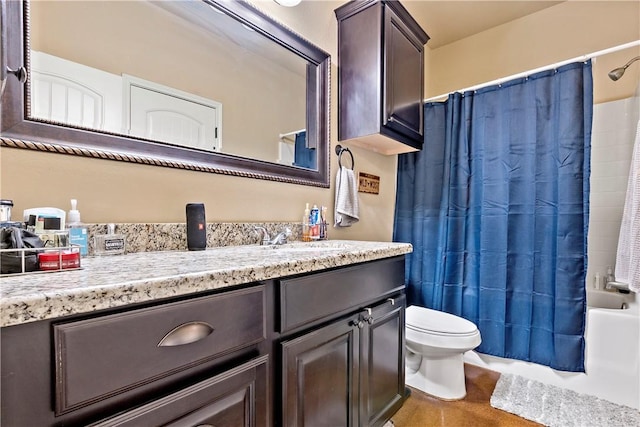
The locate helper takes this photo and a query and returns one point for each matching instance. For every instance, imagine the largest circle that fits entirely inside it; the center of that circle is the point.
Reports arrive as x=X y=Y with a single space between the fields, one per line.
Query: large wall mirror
x=207 y=85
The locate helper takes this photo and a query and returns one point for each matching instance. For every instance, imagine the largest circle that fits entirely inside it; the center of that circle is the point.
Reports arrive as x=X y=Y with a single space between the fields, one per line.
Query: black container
x=196 y=227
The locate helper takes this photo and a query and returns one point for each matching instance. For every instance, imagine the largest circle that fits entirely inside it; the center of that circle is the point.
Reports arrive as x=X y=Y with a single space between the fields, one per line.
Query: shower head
x=618 y=72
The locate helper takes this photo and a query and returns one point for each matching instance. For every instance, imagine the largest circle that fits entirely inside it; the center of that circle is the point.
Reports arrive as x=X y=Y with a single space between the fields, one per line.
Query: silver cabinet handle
x=186 y=333
x=392 y=301
x=357 y=324
x=369 y=316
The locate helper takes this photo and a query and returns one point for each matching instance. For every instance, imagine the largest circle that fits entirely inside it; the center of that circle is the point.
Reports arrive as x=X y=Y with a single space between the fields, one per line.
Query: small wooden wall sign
x=368 y=183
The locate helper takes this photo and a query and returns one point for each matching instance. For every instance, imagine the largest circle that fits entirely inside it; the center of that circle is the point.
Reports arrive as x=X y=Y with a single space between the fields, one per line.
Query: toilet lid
x=439 y=322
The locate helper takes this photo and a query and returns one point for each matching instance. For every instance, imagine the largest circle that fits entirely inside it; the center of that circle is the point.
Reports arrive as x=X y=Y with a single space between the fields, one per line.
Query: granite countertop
x=118 y=280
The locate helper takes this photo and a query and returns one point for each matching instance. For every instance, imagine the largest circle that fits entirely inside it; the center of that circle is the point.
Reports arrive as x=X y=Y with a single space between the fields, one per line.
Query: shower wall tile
x=598 y=256
x=607 y=198
x=613 y=168
x=609 y=183
x=604 y=230
x=613 y=151
x=612 y=138
x=605 y=213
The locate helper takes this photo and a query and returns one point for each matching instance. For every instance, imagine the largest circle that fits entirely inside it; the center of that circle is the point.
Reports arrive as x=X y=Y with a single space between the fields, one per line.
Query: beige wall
x=566 y=31
x=120 y=192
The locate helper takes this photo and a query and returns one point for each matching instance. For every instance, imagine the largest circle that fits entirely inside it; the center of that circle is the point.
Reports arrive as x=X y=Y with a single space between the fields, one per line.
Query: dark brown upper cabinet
x=380 y=76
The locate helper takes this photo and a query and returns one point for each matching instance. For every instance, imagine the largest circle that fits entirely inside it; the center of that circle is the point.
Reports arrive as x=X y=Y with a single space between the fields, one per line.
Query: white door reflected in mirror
x=164 y=114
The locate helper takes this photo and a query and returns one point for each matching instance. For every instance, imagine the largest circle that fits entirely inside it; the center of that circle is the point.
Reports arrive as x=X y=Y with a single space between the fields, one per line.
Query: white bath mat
x=555 y=406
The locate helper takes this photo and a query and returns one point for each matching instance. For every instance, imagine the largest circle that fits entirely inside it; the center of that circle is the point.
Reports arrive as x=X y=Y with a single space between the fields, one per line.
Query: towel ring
x=340 y=150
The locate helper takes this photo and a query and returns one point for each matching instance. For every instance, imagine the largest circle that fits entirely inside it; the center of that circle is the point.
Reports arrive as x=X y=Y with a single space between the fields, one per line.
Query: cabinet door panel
x=360 y=74
x=320 y=377
x=383 y=354
x=235 y=398
x=403 y=70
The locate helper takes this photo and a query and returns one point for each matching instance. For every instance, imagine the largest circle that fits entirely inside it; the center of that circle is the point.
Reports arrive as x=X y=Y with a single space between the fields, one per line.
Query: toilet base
x=441 y=377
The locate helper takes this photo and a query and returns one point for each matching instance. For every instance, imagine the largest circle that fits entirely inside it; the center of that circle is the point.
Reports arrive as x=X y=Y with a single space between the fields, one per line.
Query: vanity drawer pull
x=186 y=333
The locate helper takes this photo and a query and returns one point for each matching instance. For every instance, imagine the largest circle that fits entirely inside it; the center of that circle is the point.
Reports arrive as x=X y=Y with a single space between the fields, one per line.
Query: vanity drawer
x=101 y=357
x=306 y=299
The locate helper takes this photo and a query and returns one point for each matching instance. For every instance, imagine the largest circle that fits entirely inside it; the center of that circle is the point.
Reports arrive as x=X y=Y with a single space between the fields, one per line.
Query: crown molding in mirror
x=20 y=132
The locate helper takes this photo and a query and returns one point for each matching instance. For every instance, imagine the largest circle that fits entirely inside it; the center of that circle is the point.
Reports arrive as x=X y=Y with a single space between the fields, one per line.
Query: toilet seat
x=426 y=320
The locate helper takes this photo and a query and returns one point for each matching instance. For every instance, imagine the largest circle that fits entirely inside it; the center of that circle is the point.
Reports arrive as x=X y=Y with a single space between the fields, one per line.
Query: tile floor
x=422 y=410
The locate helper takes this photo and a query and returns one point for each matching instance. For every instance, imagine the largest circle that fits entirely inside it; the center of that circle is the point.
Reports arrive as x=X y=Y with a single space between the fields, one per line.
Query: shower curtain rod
x=284 y=135
x=536 y=70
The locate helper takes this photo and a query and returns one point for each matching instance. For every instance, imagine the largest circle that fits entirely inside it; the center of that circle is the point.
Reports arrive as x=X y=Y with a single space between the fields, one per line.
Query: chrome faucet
x=278 y=239
x=621 y=287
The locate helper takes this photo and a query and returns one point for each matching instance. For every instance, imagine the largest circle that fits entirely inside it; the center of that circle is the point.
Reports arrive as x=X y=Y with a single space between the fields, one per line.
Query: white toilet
x=435 y=343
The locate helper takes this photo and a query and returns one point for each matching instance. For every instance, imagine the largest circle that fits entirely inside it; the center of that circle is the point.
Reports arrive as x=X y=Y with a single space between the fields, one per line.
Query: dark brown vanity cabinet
x=321 y=348
x=380 y=76
x=347 y=367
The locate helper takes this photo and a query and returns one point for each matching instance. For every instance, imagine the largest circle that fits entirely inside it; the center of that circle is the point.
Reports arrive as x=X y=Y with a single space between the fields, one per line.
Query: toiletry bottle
x=305 y=224
x=323 y=223
x=314 y=223
x=610 y=277
x=597 y=281
x=110 y=243
x=77 y=230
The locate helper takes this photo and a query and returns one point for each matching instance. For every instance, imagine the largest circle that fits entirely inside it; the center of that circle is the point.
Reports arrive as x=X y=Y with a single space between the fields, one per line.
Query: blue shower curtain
x=496 y=207
x=303 y=156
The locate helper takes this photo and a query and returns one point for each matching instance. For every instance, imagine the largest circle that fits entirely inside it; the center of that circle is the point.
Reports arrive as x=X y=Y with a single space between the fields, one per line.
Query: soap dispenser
x=77 y=231
x=110 y=243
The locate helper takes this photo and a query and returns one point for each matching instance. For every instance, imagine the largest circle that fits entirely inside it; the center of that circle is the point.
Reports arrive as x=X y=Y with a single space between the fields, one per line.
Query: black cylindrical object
x=196 y=227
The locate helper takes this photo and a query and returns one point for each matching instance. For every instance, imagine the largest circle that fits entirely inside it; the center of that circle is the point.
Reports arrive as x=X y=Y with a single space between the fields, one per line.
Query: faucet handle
x=281 y=238
x=263 y=231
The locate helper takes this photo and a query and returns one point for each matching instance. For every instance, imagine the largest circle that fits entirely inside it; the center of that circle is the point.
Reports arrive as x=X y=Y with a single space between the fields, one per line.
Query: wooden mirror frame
x=19 y=131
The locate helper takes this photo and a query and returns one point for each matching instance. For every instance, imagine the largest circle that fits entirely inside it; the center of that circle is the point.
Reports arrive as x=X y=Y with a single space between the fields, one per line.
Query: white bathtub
x=612 y=360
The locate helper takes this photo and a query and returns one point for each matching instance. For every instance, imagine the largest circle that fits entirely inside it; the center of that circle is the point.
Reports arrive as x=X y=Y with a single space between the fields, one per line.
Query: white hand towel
x=346 y=209
x=628 y=255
